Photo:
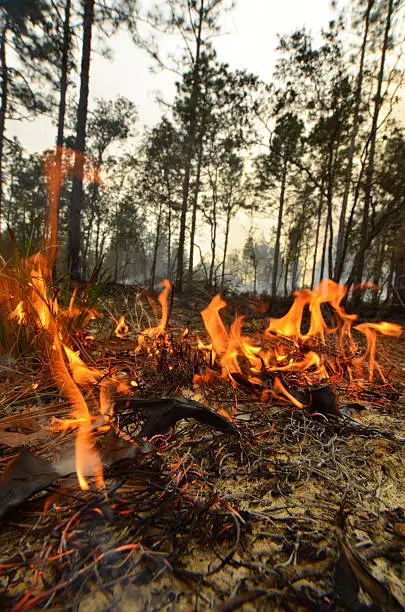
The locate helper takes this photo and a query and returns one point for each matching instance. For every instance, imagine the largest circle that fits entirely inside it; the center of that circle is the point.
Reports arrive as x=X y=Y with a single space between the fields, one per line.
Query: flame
x=44 y=310
x=82 y=375
x=122 y=328
x=370 y=331
x=152 y=333
x=284 y=347
x=18 y=313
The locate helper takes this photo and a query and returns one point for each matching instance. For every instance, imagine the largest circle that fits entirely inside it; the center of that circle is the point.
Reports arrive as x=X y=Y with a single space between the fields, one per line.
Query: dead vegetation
x=291 y=510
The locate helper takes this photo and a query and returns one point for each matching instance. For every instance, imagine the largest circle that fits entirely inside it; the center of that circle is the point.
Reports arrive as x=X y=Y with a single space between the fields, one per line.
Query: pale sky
x=249 y=41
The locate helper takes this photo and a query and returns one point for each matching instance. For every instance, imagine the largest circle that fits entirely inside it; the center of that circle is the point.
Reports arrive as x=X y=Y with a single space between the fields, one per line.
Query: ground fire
x=145 y=417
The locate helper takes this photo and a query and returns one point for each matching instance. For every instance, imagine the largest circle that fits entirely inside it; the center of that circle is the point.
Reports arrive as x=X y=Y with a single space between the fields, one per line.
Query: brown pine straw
x=207 y=521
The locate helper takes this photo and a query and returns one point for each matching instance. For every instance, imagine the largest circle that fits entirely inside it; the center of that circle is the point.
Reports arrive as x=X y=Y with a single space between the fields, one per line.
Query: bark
x=399 y=266
x=54 y=203
x=156 y=248
x=286 y=271
x=74 y=238
x=340 y=253
x=325 y=242
x=190 y=149
x=358 y=265
x=214 y=227
x=227 y=227
x=3 y=110
x=378 y=270
x=169 y=224
x=279 y=226
x=317 y=233
x=194 y=212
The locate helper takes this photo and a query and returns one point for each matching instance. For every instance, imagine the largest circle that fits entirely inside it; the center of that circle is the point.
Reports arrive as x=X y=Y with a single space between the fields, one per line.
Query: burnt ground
x=298 y=511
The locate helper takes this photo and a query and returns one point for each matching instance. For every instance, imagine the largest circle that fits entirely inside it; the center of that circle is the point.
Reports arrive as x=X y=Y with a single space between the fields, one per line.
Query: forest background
x=241 y=182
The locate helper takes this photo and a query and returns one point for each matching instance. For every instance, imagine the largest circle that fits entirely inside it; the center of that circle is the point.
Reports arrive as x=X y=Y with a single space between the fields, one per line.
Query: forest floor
x=298 y=511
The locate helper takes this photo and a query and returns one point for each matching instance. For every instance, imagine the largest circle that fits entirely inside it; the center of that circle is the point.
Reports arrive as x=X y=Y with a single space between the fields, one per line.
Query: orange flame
x=154 y=332
x=122 y=328
x=370 y=331
x=18 y=313
x=284 y=347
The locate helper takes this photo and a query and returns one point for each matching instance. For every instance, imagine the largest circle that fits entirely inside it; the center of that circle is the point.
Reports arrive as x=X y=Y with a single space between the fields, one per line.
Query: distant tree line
x=316 y=153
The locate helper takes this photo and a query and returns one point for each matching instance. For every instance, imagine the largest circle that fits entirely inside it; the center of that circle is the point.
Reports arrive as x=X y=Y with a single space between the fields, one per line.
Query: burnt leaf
x=318 y=400
x=352 y=569
x=24 y=476
x=161 y=414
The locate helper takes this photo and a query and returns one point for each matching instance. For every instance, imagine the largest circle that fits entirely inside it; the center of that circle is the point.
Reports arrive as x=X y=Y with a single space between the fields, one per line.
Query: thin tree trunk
x=189 y=150
x=54 y=202
x=399 y=266
x=278 y=232
x=169 y=242
x=287 y=268
x=340 y=253
x=194 y=212
x=227 y=226
x=329 y=199
x=74 y=238
x=156 y=248
x=3 y=110
x=358 y=265
x=169 y=227
x=213 y=244
x=317 y=234
x=325 y=242
x=377 y=270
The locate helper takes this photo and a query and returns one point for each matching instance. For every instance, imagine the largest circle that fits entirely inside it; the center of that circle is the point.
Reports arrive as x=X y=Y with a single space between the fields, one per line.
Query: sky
x=248 y=41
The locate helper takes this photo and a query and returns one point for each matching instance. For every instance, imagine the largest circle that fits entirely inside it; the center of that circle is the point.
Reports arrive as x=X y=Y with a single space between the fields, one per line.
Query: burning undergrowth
x=239 y=502
x=223 y=462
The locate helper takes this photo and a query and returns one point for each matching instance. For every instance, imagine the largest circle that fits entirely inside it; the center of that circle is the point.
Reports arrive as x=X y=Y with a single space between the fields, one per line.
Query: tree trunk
x=3 y=110
x=74 y=238
x=377 y=270
x=317 y=234
x=279 y=226
x=189 y=150
x=358 y=264
x=399 y=266
x=287 y=268
x=156 y=249
x=227 y=226
x=194 y=213
x=213 y=244
x=169 y=226
x=340 y=253
x=54 y=201
x=325 y=242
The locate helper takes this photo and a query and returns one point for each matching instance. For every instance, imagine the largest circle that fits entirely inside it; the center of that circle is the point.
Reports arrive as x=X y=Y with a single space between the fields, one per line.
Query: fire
x=152 y=333
x=18 y=313
x=370 y=331
x=285 y=347
x=122 y=328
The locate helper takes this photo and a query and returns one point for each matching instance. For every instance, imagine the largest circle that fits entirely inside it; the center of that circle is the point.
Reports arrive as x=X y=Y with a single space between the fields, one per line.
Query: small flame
x=122 y=328
x=370 y=331
x=18 y=313
x=152 y=333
